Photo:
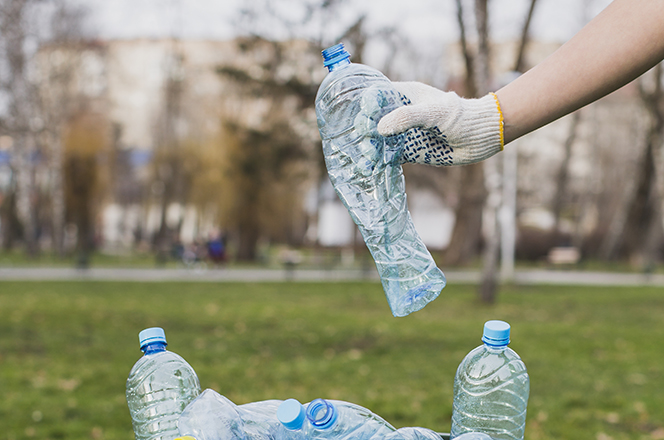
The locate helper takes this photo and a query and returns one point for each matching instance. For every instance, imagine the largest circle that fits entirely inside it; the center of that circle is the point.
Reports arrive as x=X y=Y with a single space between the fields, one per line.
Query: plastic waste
x=212 y=416
x=413 y=434
x=159 y=387
x=273 y=420
x=291 y=415
x=339 y=420
x=260 y=419
x=365 y=171
x=491 y=388
x=473 y=436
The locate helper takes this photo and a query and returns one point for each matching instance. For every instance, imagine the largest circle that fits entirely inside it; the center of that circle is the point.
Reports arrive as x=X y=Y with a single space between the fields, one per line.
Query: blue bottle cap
x=321 y=414
x=151 y=335
x=334 y=54
x=291 y=414
x=496 y=333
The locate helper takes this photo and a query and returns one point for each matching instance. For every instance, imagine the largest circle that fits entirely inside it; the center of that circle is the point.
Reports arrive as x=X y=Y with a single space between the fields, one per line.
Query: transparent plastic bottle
x=212 y=416
x=491 y=388
x=159 y=387
x=338 y=420
x=365 y=171
x=273 y=420
x=413 y=434
x=473 y=436
x=260 y=419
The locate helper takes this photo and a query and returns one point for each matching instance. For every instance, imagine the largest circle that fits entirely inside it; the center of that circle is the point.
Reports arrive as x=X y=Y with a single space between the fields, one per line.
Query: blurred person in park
x=623 y=42
x=216 y=248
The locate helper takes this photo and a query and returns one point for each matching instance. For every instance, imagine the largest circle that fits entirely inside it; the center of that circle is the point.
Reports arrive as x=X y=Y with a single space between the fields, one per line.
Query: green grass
x=594 y=355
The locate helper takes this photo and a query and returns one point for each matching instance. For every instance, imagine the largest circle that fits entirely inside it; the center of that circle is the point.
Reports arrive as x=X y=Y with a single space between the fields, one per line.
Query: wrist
x=511 y=129
x=502 y=121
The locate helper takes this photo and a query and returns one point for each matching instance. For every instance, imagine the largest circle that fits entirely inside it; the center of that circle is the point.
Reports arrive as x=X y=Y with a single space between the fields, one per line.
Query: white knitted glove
x=442 y=128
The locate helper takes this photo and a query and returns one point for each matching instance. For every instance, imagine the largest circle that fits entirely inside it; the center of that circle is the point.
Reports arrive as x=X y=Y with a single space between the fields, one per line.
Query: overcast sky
x=423 y=20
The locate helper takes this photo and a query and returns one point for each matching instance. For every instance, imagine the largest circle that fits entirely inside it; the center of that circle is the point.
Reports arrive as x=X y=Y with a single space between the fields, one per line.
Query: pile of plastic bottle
x=164 y=396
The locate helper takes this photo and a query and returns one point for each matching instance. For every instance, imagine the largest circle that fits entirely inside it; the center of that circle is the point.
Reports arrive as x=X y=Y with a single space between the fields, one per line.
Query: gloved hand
x=442 y=128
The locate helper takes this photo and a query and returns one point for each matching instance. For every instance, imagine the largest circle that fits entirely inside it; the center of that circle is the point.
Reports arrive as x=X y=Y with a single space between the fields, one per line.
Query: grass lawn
x=594 y=354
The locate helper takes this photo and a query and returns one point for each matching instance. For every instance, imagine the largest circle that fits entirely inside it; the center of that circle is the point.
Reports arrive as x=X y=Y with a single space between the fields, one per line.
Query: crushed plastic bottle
x=413 y=434
x=365 y=171
x=267 y=420
x=339 y=420
x=260 y=419
x=292 y=415
x=491 y=388
x=212 y=416
x=159 y=387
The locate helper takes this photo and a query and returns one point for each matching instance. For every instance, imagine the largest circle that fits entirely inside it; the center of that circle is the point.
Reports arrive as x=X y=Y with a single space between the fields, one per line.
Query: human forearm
x=621 y=43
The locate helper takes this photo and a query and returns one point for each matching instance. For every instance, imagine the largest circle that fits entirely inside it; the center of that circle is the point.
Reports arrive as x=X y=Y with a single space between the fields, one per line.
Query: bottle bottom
x=414 y=299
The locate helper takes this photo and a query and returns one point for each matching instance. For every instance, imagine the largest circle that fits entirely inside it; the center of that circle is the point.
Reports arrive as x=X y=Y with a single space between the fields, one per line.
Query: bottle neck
x=153 y=347
x=495 y=348
x=338 y=65
x=321 y=414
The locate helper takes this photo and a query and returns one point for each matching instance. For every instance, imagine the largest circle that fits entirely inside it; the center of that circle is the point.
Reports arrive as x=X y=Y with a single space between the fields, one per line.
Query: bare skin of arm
x=620 y=44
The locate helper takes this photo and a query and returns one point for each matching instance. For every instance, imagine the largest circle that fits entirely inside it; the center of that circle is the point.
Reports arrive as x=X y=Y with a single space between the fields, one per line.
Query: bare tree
x=480 y=180
x=21 y=123
x=170 y=175
x=466 y=235
x=494 y=179
x=32 y=121
x=642 y=229
x=59 y=63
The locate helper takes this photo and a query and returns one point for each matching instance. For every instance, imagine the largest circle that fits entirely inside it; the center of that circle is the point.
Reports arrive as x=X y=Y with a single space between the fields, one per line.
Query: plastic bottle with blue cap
x=339 y=420
x=212 y=416
x=365 y=171
x=291 y=415
x=273 y=419
x=159 y=387
x=491 y=388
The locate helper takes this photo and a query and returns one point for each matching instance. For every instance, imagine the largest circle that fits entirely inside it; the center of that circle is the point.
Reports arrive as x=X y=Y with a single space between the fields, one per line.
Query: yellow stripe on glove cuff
x=502 y=122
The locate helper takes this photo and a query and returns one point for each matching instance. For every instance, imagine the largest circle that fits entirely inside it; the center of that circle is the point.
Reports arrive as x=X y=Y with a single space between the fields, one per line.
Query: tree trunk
x=249 y=233
x=467 y=232
x=11 y=225
x=563 y=172
x=58 y=196
x=493 y=176
x=643 y=223
x=81 y=174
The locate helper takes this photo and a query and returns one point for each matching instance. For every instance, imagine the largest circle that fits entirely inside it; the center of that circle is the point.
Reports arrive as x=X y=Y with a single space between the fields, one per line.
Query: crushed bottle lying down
x=212 y=416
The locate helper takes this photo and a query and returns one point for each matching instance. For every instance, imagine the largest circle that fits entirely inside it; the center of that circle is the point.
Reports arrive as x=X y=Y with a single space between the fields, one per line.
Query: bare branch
x=467 y=56
x=525 y=38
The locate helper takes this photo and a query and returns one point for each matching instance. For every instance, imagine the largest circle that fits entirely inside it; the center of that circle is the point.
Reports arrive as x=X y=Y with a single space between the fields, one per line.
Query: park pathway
x=220 y=275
